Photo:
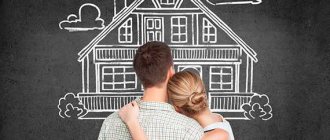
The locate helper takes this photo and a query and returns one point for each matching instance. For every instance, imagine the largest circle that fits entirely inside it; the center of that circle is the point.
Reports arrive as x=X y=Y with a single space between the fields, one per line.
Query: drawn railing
x=109 y=54
x=115 y=53
x=228 y=102
x=205 y=53
x=105 y=103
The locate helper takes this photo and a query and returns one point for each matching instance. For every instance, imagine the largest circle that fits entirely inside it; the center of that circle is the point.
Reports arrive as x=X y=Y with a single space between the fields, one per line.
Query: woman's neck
x=206 y=118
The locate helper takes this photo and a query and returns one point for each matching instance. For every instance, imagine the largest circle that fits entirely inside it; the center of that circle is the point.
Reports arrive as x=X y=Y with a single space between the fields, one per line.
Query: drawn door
x=154 y=29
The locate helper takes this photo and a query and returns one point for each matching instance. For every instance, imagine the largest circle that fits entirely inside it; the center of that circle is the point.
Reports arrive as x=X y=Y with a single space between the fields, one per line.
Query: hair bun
x=197 y=102
x=196 y=98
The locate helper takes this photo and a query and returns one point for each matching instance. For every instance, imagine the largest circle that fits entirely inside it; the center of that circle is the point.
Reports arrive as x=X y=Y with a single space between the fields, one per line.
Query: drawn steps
x=96 y=115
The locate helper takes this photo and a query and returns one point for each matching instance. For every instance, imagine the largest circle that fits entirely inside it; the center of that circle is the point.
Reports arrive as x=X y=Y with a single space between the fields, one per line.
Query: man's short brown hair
x=151 y=63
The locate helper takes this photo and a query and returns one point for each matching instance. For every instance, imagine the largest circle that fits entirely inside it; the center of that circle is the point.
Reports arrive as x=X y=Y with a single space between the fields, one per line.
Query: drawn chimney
x=120 y=5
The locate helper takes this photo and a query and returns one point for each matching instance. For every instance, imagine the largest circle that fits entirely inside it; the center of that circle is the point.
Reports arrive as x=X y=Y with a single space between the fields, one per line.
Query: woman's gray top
x=225 y=125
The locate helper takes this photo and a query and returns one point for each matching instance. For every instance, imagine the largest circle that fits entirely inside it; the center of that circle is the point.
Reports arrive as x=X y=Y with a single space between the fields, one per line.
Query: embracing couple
x=174 y=106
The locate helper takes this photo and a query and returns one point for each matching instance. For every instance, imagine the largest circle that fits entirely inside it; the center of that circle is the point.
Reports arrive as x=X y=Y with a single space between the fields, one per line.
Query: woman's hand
x=129 y=113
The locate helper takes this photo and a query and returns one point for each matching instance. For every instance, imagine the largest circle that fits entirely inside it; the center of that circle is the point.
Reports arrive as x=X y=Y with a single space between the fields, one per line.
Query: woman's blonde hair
x=187 y=91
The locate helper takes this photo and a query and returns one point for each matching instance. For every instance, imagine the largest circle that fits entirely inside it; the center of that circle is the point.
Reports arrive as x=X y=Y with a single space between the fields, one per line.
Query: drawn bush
x=258 y=108
x=70 y=107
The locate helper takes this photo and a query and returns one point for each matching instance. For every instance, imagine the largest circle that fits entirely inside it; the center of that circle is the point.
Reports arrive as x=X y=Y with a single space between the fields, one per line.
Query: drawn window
x=125 y=34
x=209 y=32
x=167 y=2
x=154 y=29
x=118 y=78
x=179 y=29
x=221 y=78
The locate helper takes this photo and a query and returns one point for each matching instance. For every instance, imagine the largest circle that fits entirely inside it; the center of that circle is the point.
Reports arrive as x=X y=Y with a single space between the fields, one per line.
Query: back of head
x=186 y=90
x=152 y=62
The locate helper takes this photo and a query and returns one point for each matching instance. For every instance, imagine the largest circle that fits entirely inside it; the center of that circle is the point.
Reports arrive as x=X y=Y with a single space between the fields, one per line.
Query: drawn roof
x=127 y=10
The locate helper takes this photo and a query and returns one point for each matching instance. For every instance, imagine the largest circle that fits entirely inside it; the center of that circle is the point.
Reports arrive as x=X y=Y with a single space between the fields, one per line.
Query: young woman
x=187 y=94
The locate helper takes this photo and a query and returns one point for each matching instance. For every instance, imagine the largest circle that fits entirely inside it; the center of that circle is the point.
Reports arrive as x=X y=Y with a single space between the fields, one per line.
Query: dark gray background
x=38 y=65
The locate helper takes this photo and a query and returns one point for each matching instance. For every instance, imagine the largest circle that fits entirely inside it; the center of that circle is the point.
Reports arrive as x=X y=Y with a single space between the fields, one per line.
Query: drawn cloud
x=70 y=107
x=258 y=108
x=227 y=2
x=87 y=19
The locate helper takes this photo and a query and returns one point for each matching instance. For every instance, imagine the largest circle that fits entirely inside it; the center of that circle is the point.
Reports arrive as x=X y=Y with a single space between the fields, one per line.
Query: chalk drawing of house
x=200 y=42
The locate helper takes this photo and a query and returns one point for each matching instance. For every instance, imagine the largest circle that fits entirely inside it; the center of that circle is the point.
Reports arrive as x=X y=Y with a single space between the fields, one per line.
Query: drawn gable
x=187 y=4
x=167 y=3
x=147 y=4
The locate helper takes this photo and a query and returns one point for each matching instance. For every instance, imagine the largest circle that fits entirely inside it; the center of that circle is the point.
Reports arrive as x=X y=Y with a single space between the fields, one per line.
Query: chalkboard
x=66 y=64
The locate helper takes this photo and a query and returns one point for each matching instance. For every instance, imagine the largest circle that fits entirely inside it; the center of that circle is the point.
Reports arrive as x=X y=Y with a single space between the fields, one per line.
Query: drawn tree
x=70 y=107
x=258 y=108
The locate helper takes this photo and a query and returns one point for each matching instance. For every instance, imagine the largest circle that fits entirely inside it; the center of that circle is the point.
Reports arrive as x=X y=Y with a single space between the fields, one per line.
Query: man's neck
x=155 y=94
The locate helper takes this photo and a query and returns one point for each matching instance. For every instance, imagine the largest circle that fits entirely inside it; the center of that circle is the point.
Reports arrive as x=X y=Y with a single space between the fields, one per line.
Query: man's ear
x=177 y=109
x=171 y=71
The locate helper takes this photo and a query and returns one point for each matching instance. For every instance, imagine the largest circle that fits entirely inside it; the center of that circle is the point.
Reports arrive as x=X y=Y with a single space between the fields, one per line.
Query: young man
x=153 y=65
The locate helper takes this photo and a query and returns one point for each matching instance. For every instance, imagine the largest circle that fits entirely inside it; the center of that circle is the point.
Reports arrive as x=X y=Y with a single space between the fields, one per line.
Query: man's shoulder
x=113 y=119
x=113 y=128
x=184 y=118
x=186 y=121
x=114 y=115
x=191 y=128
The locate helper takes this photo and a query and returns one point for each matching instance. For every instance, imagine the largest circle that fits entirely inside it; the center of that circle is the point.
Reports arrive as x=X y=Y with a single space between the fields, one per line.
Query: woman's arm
x=129 y=114
x=136 y=131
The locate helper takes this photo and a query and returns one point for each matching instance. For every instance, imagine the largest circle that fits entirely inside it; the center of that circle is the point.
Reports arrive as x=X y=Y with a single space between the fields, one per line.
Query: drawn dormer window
x=179 y=29
x=209 y=32
x=125 y=34
x=167 y=2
